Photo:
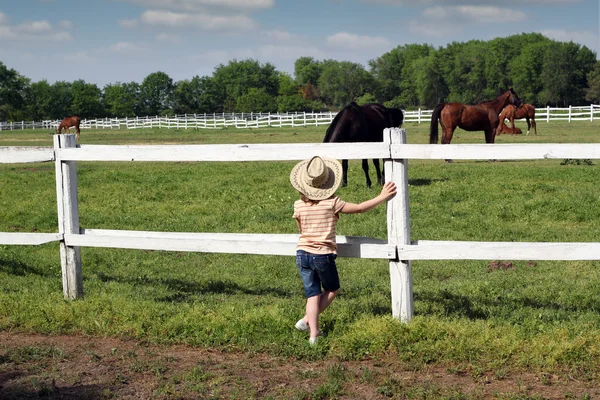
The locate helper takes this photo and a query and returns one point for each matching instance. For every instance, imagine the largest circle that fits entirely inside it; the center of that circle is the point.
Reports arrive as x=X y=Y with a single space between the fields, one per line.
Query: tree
x=592 y=93
x=236 y=78
x=342 y=82
x=39 y=100
x=157 y=93
x=62 y=98
x=122 y=99
x=307 y=71
x=197 y=96
x=430 y=86
x=256 y=100
x=12 y=92
x=86 y=100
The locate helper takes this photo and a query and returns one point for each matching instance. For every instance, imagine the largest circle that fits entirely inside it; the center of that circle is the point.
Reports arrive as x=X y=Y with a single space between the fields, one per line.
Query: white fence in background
x=277 y=120
x=397 y=249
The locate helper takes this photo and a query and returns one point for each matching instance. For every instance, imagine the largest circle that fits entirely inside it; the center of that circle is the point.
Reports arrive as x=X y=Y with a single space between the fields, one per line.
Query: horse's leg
x=365 y=166
x=447 y=132
x=528 y=124
x=379 y=171
x=534 y=125
x=344 y=173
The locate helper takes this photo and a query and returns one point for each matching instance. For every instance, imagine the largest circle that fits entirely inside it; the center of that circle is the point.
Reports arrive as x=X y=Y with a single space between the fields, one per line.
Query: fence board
x=15 y=154
x=454 y=250
x=32 y=239
x=224 y=152
x=265 y=244
x=525 y=151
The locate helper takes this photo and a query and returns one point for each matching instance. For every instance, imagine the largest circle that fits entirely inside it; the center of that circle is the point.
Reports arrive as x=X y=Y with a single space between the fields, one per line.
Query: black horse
x=365 y=123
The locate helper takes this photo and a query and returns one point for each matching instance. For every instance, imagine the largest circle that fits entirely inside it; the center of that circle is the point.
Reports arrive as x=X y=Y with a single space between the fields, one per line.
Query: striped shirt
x=317 y=222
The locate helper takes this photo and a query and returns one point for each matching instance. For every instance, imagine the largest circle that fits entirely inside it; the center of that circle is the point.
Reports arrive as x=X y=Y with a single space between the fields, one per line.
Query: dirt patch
x=74 y=367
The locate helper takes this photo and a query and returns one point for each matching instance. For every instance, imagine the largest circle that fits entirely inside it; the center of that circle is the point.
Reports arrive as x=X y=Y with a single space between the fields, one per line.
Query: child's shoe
x=313 y=341
x=301 y=325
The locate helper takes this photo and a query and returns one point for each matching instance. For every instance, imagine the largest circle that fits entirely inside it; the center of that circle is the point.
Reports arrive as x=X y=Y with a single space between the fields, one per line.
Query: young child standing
x=316 y=214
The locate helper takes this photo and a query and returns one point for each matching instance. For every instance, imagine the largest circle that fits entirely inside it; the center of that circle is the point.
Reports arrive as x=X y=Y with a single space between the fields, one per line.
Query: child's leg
x=326 y=299
x=316 y=305
x=312 y=314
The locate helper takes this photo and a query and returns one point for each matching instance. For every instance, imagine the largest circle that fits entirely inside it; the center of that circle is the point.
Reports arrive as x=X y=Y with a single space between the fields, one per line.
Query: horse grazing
x=69 y=122
x=479 y=117
x=526 y=111
x=364 y=123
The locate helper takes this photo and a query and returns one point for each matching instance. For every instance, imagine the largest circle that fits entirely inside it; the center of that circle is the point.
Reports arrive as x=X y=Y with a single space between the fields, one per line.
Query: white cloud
x=589 y=39
x=352 y=41
x=128 y=23
x=65 y=24
x=31 y=31
x=481 y=14
x=279 y=35
x=125 y=48
x=200 y=5
x=33 y=27
x=433 y=29
x=201 y=21
x=168 y=38
x=289 y=52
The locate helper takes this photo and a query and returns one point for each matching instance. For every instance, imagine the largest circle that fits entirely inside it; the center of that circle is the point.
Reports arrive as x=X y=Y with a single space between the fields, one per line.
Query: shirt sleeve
x=338 y=204
x=295 y=214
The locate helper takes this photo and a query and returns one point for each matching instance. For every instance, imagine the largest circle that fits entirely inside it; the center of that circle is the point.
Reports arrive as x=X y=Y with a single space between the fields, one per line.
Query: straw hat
x=317 y=178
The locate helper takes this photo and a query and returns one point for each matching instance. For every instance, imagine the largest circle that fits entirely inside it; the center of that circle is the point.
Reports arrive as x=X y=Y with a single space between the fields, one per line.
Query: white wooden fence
x=278 y=120
x=397 y=249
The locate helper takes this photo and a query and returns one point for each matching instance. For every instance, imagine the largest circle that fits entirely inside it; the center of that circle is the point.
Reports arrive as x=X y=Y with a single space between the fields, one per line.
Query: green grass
x=542 y=317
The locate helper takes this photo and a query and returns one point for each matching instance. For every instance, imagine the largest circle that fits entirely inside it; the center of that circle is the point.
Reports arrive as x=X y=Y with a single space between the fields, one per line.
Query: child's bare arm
x=387 y=192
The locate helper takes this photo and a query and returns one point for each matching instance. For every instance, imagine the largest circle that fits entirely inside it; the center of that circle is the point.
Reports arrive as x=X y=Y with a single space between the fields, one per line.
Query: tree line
x=542 y=71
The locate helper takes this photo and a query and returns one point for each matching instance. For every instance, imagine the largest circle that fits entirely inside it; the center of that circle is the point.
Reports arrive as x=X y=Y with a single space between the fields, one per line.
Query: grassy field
x=542 y=317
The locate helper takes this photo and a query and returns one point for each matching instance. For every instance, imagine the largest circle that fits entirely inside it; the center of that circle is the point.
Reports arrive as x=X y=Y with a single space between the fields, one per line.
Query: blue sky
x=108 y=41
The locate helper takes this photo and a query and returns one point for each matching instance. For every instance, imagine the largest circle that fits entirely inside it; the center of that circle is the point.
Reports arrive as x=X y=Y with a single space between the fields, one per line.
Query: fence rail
x=278 y=120
x=398 y=249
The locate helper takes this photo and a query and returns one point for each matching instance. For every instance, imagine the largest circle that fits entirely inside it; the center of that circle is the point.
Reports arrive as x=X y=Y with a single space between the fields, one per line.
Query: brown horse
x=526 y=111
x=67 y=123
x=479 y=117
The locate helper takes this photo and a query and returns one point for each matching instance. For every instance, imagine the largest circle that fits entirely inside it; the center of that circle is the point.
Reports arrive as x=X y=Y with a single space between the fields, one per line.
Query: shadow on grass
x=424 y=182
x=18 y=268
x=184 y=290
x=457 y=305
x=451 y=304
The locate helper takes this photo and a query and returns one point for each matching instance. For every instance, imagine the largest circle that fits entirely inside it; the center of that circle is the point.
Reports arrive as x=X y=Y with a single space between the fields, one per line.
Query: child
x=317 y=213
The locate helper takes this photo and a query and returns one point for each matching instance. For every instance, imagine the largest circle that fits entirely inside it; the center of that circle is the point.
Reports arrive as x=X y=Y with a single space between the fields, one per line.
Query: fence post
x=570 y=113
x=547 y=113
x=398 y=225
x=68 y=218
x=591 y=112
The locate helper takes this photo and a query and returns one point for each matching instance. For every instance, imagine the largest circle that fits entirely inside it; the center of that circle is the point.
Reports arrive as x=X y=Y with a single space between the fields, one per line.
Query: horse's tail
x=433 y=129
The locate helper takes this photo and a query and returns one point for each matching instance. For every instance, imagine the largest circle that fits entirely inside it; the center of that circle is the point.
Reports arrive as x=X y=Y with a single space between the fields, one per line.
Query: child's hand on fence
x=389 y=190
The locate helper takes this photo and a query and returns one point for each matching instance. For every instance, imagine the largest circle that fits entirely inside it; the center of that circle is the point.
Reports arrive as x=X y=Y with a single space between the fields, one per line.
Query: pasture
x=482 y=319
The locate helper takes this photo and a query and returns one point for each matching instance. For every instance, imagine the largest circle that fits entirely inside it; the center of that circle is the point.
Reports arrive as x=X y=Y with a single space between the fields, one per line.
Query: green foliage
x=256 y=100
x=86 y=101
x=122 y=99
x=238 y=77
x=157 y=93
x=342 y=82
x=593 y=92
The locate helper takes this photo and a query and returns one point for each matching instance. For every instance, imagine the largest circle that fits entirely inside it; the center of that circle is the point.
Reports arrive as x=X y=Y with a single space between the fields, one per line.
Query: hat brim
x=324 y=191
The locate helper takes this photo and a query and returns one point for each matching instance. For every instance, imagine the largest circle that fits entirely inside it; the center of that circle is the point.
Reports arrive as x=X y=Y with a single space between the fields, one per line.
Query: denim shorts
x=317 y=270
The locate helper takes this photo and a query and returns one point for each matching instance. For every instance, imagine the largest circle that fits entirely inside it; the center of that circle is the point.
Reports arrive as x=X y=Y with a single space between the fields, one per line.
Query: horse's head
x=513 y=98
